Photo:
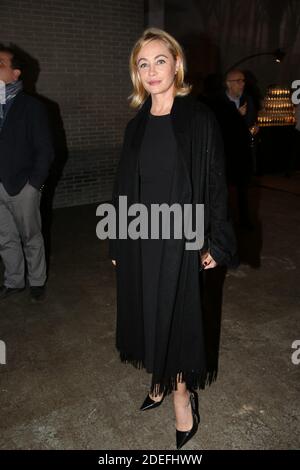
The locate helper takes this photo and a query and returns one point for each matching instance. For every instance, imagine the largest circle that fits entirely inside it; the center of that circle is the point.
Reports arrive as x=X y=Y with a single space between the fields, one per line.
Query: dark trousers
x=242 y=190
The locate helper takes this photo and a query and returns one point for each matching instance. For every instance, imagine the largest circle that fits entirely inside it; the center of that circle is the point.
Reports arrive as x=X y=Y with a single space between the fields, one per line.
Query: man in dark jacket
x=236 y=114
x=26 y=154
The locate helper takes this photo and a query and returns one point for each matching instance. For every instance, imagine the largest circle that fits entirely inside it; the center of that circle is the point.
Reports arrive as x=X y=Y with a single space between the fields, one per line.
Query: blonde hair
x=139 y=94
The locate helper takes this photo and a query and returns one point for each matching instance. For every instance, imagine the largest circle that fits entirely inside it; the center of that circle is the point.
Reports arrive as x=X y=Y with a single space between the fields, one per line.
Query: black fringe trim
x=137 y=363
x=165 y=385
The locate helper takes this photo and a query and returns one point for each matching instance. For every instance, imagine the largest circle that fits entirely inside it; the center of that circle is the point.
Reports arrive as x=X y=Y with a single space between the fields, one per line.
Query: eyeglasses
x=238 y=80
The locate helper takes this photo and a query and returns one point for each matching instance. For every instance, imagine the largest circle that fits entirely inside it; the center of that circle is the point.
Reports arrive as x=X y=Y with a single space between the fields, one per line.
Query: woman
x=171 y=154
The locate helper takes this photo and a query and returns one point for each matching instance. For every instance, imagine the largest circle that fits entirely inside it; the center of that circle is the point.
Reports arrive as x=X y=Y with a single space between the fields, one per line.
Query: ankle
x=182 y=399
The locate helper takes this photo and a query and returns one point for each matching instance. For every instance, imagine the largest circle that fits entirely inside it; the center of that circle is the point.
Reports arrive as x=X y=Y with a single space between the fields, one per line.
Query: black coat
x=236 y=136
x=26 y=150
x=198 y=178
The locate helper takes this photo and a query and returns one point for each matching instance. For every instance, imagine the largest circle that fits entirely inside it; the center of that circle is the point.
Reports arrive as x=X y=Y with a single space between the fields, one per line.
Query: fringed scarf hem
x=194 y=379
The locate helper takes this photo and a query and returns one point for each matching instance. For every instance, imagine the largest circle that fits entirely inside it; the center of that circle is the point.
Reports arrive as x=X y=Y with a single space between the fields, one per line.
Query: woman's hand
x=114 y=262
x=207 y=261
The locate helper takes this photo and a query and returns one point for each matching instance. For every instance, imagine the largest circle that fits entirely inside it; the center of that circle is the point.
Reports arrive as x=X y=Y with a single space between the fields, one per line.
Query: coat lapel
x=142 y=119
x=181 y=119
x=12 y=113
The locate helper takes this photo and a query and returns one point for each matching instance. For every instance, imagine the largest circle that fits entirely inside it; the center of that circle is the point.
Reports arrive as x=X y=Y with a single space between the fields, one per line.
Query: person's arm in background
x=250 y=116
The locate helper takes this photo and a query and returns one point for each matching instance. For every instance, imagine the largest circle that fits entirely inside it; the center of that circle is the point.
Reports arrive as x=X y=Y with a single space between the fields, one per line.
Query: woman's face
x=156 y=67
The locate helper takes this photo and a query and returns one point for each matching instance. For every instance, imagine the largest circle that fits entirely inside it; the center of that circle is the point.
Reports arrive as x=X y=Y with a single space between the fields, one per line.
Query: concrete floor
x=63 y=386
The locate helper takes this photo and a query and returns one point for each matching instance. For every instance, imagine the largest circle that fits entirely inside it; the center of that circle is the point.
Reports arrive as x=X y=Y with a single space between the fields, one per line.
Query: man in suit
x=26 y=154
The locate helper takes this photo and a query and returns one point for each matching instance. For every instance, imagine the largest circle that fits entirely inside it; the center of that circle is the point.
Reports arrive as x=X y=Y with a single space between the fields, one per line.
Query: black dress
x=157 y=162
x=179 y=343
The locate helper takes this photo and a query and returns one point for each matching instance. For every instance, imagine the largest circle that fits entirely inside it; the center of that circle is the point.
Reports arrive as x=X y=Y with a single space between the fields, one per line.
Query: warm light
x=278 y=109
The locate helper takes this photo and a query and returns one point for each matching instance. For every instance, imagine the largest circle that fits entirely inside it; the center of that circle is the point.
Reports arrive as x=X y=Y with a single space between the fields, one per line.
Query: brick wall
x=82 y=49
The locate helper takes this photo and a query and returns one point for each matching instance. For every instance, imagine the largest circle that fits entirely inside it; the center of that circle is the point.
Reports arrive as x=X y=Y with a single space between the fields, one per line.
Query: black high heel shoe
x=182 y=437
x=149 y=404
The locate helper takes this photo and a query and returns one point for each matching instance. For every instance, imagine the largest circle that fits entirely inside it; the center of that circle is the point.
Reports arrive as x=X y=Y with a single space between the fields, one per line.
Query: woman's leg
x=182 y=407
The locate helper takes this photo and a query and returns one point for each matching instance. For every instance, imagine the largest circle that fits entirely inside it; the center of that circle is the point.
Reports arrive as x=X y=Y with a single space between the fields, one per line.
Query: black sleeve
x=112 y=248
x=222 y=239
x=42 y=143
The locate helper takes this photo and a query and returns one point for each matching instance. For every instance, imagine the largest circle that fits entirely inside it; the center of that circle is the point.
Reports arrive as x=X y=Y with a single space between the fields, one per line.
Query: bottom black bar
x=130 y=459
